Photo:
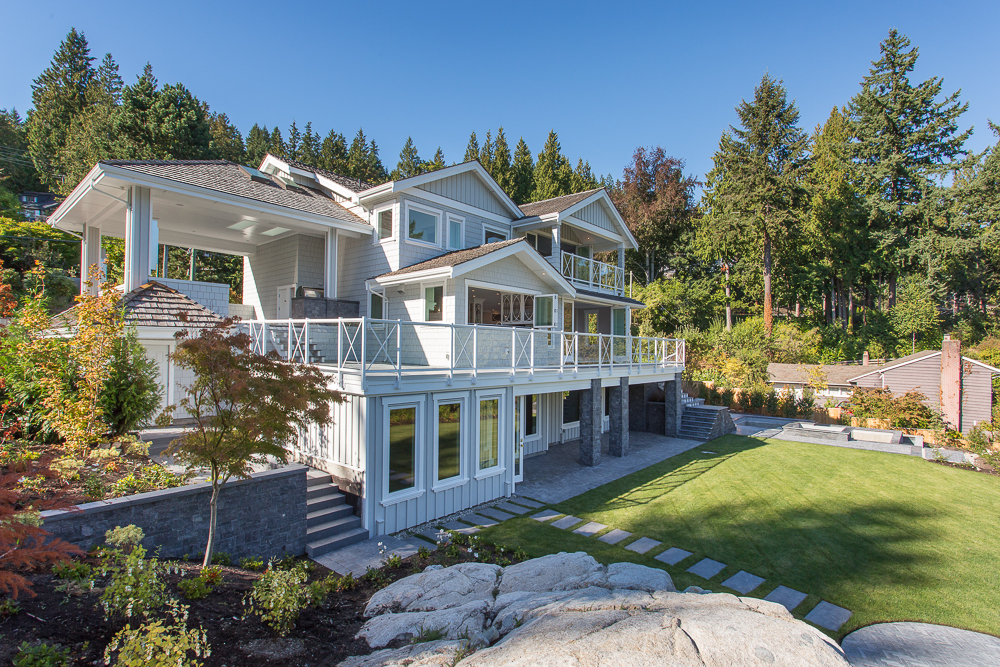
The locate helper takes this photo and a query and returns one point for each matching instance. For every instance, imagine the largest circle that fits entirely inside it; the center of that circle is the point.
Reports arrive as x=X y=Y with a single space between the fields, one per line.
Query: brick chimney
x=864 y=359
x=951 y=382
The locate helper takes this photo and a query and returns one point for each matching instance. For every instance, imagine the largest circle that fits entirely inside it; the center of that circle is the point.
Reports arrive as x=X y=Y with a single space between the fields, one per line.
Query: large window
x=449 y=440
x=493 y=235
x=434 y=304
x=385 y=224
x=456 y=234
x=541 y=243
x=571 y=406
x=422 y=225
x=377 y=310
x=402 y=448
x=489 y=433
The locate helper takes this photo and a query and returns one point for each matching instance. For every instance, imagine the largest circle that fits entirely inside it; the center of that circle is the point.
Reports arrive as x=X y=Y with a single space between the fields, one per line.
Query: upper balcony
x=592 y=274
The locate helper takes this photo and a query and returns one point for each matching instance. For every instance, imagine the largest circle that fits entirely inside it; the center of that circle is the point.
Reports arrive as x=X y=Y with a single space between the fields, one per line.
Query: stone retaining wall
x=262 y=516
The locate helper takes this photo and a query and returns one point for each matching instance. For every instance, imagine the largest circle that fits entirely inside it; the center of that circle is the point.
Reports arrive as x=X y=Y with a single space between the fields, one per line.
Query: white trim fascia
x=607 y=301
x=516 y=249
x=419 y=404
x=376 y=225
x=478 y=284
x=416 y=276
x=461 y=206
x=427 y=210
x=597 y=196
x=883 y=369
x=485 y=395
x=545 y=221
x=82 y=188
x=591 y=228
x=448 y=218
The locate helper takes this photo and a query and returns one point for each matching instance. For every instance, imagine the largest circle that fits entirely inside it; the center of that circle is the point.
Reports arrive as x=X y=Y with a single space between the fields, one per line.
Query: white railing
x=591 y=273
x=394 y=348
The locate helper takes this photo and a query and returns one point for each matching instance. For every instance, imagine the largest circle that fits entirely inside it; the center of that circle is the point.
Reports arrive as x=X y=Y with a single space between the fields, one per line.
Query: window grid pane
x=402 y=448
x=385 y=224
x=449 y=440
x=423 y=227
x=489 y=433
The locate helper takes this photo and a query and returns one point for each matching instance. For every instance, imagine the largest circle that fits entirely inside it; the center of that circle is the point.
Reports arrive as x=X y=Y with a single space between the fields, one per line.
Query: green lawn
x=890 y=537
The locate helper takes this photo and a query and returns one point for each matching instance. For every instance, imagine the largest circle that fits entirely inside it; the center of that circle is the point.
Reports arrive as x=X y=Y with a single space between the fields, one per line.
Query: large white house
x=466 y=333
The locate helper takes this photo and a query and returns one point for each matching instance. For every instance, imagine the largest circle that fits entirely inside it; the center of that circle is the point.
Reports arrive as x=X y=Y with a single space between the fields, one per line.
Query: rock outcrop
x=569 y=610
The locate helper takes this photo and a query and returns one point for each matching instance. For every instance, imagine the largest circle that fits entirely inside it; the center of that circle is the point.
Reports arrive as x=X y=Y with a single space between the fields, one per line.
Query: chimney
x=864 y=359
x=951 y=382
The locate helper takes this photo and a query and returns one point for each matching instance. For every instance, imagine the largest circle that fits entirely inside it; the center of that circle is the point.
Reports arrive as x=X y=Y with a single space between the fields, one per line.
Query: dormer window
x=423 y=225
x=491 y=235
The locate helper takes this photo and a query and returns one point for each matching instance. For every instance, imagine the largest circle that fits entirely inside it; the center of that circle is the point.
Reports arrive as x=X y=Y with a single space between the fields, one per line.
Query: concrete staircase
x=330 y=521
x=697 y=422
x=279 y=341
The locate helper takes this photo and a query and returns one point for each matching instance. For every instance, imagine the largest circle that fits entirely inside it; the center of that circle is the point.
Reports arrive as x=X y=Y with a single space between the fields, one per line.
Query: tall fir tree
x=108 y=84
x=277 y=145
x=17 y=173
x=486 y=152
x=756 y=187
x=226 y=142
x=472 y=149
x=310 y=148
x=583 y=177
x=553 y=175
x=409 y=163
x=375 y=171
x=258 y=144
x=333 y=153
x=357 y=156
x=294 y=143
x=522 y=174
x=436 y=163
x=501 y=168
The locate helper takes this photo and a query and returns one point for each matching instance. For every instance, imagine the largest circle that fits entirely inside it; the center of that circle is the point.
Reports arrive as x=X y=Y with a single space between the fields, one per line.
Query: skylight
x=275 y=231
x=255 y=174
x=243 y=224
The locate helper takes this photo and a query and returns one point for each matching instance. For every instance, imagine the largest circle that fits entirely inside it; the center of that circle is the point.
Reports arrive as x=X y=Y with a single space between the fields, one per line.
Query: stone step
x=314 y=477
x=329 y=544
x=332 y=528
x=330 y=514
x=321 y=490
x=324 y=502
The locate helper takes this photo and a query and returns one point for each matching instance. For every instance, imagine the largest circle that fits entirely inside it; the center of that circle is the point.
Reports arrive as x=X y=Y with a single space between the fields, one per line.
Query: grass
x=890 y=537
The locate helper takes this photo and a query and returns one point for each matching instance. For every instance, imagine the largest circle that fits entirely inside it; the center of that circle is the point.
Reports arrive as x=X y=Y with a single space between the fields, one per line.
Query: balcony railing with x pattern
x=592 y=274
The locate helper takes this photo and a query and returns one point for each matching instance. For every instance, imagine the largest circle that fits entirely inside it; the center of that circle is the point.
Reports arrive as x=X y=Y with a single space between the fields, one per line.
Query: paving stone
x=590 y=529
x=615 y=536
x=642 y=545
x=828 y=616
x=480 y=520
x=566 y=522
x=432 y=535
x=785 y=596
x=672 y=556
x=743 y=581
x=512 y=508
x=527 y=502
x=545 y=515
x=706 y=568
x=460 y=527
x=495 y=514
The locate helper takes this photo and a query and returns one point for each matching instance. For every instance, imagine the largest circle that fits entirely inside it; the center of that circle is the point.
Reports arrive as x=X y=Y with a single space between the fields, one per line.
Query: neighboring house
x=465 y=333
x=37 y=205
x=959 y=387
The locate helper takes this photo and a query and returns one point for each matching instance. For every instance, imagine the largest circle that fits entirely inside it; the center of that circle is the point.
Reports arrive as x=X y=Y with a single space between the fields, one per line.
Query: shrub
x=344 y=583
x=757 y=399
x=743 y=401
x=806 y=403
x=221 y=558
x=137 y=586
x=42 y=655
x=132 y=391
x=277 y=598
x=906 y=411
x=125 y=538
x=148 y=478
x=726 y=397
x=71 y=571
x=164 y=642
x=8 y=607
x=253 y=564
x=195 y=588
x=771 y=401
x=787 y=404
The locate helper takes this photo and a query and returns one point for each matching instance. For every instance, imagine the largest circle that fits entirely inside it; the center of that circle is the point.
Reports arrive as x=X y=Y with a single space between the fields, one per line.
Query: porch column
x=672 y=406
x=619 y=418
x=330 y=265
x=590 y=424
x=90 y=254
x=138 y=237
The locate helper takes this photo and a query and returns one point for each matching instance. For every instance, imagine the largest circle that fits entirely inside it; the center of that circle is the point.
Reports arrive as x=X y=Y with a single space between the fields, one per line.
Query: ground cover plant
x=890 y=537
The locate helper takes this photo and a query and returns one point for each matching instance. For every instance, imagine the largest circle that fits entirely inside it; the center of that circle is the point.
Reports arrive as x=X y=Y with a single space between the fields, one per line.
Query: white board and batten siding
x=596 y=214
x=468 y=189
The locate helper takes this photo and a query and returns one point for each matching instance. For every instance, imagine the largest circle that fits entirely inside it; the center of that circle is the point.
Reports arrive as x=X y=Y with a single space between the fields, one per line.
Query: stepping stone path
x=460 y=527
x=615 y=536
x=642 y=545
x=527 y=502
x=828 y=616
x=480 y=520
x=706 y=568
x=495 y=514
x=545 y=516
x=512 y=508
x=789 y=598
x=672 y=556
x=743 y=581
x=566 y=522
x=432 y=535
x=590 y=529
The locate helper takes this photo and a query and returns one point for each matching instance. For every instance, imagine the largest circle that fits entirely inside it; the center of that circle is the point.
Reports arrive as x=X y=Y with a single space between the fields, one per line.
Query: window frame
x=498 y=230
x=450 y=218
x=423 y=300
x=385 y=303
x=436 y=212
x=500 y=467
x=450 y=398
x=538 y=418
x=376 y=212
x=388 y=405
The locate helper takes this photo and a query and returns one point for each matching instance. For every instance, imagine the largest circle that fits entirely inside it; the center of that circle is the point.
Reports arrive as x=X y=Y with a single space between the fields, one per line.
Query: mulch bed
x=322 y=636
x=989 y=470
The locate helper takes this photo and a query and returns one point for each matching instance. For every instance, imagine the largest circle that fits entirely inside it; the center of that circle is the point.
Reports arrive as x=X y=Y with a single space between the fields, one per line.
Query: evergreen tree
x=472 y=150
x=357 y=156
x=333 y=153
x=409 y=162
x=501 y=168
x=914 y=313
x=375 y=171
x=436 y=163
x=310 y=149
x=553 y=175
x=522 y=174
x=294 y=142
x=58 y=94
x=258 y=144
x=755 y=190
x=583 y=178
x=906 y=139
x=277 y=144
x=17 y=172
x=486 y=152
x=226 y=142
x=108 y=83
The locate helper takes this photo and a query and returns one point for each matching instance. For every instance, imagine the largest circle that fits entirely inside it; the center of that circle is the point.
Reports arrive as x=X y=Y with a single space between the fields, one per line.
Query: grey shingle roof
x=834 y=374
x=556 y=204
x=155 y=305
x=611 y=297
x=455 y=257
x=352 y=184
x=228 y=177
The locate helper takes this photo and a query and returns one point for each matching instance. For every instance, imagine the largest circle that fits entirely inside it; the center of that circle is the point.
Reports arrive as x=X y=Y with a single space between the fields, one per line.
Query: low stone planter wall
x=262 y=516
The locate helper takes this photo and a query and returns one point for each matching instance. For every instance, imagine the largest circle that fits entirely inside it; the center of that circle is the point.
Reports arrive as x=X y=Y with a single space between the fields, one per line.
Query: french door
x=518 y=457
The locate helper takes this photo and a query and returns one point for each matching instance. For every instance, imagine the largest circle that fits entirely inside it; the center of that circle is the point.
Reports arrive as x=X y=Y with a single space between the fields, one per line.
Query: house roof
x=156 y=305
x=352 y=184
x=231 y=178
x=893 y=363
x=834 y=374
x=453 y=258
x=604 y=296
x=556 y=204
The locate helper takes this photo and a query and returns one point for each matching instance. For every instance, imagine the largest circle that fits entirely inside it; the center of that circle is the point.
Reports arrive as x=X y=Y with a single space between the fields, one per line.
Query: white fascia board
x=609 y=301
x=591 y=228
x=546 y=221
x=327 y=183
x=416 y=276
x=81 y=189
x=330 y=184
x=883 y=369
x=597 y=196
x=357 y=228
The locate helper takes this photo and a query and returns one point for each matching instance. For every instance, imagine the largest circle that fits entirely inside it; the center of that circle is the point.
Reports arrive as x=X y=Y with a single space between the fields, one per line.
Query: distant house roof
x=454 y=258
x=556 y=204
x=352 y=184
x=868 y=370
x=156 y=305
x=231 y=178
x=834 y=374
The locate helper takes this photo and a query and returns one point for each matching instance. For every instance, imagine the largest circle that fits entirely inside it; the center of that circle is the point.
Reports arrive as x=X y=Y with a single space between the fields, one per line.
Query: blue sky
x=607 y=76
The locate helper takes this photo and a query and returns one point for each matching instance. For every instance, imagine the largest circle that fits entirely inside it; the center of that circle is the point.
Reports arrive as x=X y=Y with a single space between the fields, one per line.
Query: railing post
x=531 y=371
x=451 y=356
x=289 y=340
x=562 y=352
x=399 y=352
x=363 y=332
x=513 y=353
x=306 y=356
x=340 y=358
x=475 y=353
x=576 y=354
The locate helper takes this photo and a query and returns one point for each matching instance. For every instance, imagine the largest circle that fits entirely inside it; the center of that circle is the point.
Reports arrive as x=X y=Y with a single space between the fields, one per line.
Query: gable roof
x=453 y=258
x=556 y=204
x=155 y=305
x=560 y=208
x=902 y=361
x=352 y=184
x=834 y=374
x=231 y=178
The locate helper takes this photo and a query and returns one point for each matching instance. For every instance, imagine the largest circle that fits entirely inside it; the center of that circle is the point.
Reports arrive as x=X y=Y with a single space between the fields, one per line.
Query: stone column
x=951 y=383
x=619 y=419
x=590 y=424
x=90 y=254
x=672 y=406
x=138 y=231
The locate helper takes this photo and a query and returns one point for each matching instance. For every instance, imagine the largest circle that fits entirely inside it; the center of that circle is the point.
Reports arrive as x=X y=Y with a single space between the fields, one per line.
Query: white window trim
x=385 y=302
x=388 y=404
x=538 y=421
x=450 y=218
x=499 y=468
x=463 y=475
x=395 y=223
x=495 y=228
x=438 y=213
x=423 y=301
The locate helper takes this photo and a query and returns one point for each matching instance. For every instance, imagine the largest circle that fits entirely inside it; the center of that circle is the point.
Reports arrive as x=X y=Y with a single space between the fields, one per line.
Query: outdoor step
x=320 y=490
x=698 y=417
x=332 y=528
x=321 y=547
x=314 y=477
x=329 y=514
x=325 y=502
x=697 y=422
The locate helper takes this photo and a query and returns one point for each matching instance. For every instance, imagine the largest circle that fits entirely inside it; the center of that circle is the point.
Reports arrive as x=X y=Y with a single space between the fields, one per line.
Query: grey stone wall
x=590 y=424
x=322 y=309
x=672 y=407
x=619 y=419
x=262 y=516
